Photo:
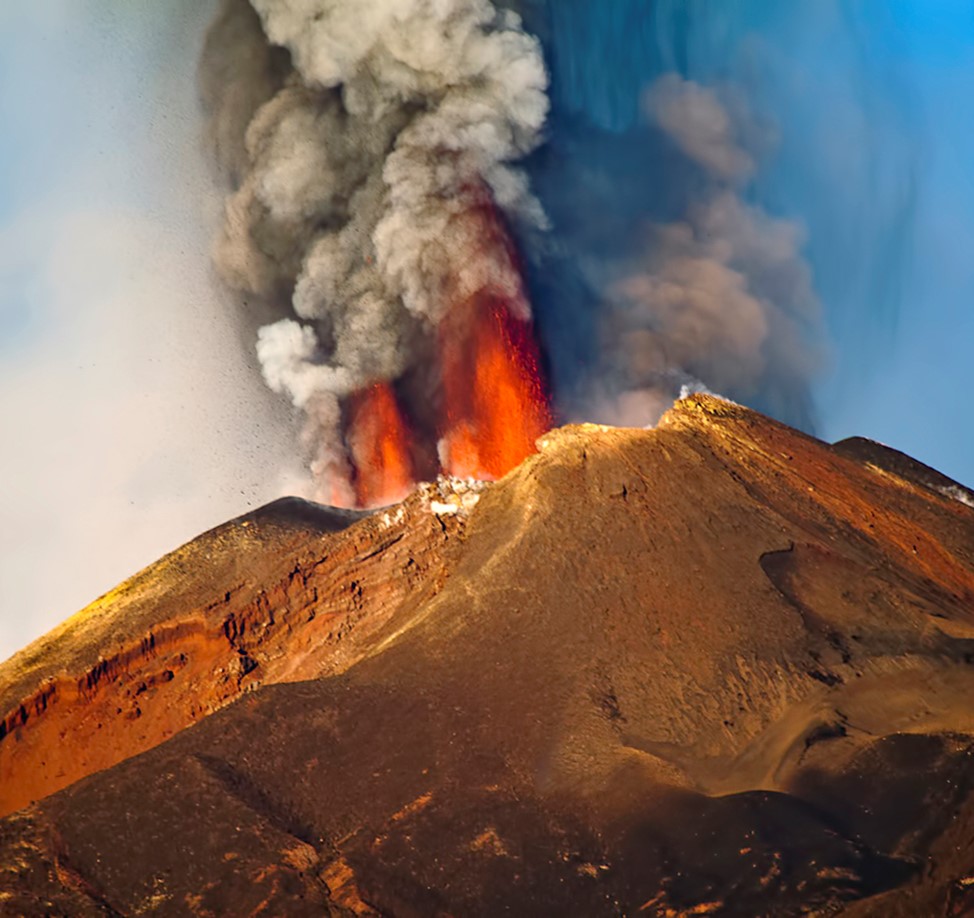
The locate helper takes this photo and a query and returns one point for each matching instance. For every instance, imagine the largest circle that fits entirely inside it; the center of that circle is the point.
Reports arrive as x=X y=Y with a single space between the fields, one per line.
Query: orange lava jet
x=496 y=405
x=379 y=443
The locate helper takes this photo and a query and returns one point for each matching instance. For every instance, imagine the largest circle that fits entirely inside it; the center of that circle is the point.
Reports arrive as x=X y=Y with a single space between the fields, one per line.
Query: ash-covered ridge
x=718 y=667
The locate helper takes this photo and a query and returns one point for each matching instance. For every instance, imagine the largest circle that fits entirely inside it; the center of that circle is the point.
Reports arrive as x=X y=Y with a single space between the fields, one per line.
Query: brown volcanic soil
x=715 y=668
x=281 y=594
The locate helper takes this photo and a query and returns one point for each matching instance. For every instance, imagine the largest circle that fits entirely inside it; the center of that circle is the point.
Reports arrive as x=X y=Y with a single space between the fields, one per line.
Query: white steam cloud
x=363 y=171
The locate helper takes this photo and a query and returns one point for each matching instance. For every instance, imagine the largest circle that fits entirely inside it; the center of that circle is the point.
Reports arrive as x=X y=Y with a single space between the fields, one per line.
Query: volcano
x=715 y=668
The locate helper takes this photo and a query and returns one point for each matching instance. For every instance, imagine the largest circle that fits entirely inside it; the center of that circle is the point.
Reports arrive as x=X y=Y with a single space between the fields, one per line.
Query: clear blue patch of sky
x=916 y=397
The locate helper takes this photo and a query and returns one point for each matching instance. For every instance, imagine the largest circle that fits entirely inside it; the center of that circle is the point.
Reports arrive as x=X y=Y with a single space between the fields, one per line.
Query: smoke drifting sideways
x=845 y=85
x=370 y=146
x=822 y=98
x=664 y=270
x=719 y=298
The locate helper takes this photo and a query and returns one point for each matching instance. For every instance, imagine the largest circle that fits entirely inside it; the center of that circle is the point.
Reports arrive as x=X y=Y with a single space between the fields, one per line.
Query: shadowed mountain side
x=715 y=668
x=885 y=458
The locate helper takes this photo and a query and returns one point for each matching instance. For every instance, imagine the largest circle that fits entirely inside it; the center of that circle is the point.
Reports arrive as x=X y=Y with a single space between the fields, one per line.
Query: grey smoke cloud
x=366 y=144
x=700 y=125
x=361 y=180
x=239 y=71
x=722 y=299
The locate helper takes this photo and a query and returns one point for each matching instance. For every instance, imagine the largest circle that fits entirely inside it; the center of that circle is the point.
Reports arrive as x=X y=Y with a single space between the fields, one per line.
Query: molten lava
x=496 y=405
x=494 y=402
x=379 y=444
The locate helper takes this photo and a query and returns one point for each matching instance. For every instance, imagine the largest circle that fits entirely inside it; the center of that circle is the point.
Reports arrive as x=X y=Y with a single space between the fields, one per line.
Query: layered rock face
x=714 y=668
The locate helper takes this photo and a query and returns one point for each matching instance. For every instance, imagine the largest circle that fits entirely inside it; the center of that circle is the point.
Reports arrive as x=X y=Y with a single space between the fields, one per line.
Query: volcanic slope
x=715 y=668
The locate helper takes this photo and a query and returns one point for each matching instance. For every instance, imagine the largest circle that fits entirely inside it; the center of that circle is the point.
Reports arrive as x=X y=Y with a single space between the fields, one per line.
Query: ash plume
x=378 y=155
x=720 y=299
x=361 y=158
x=700 y=125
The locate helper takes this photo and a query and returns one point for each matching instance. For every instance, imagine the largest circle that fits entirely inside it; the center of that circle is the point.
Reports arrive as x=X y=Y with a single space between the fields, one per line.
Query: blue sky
x=916 y=397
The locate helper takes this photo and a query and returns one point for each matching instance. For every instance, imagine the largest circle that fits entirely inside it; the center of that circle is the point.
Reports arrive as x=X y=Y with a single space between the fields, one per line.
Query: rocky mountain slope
x=717 y=668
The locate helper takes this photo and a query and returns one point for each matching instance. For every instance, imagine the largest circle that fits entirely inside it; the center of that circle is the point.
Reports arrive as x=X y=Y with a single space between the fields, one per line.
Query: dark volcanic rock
x=715 y=668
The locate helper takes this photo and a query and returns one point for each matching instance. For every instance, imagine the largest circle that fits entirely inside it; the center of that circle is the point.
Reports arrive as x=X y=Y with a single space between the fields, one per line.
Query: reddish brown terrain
x=717 y=668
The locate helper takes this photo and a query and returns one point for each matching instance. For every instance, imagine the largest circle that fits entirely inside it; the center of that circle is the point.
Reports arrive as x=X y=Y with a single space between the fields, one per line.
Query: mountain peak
x=700 y=668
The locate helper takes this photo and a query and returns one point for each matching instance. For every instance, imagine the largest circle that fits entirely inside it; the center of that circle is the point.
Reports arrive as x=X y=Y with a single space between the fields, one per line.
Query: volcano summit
x=714 y=668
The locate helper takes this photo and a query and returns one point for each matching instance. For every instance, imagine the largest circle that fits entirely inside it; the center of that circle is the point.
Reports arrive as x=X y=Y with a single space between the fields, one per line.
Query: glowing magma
x=495 y=400
x=379 y=443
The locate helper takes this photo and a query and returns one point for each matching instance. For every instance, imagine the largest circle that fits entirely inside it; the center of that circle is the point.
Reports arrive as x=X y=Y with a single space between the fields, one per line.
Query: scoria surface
x=716 y=668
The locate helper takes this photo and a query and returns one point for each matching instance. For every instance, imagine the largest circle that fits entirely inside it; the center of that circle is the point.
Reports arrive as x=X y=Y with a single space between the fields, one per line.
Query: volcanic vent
x=371 y=150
